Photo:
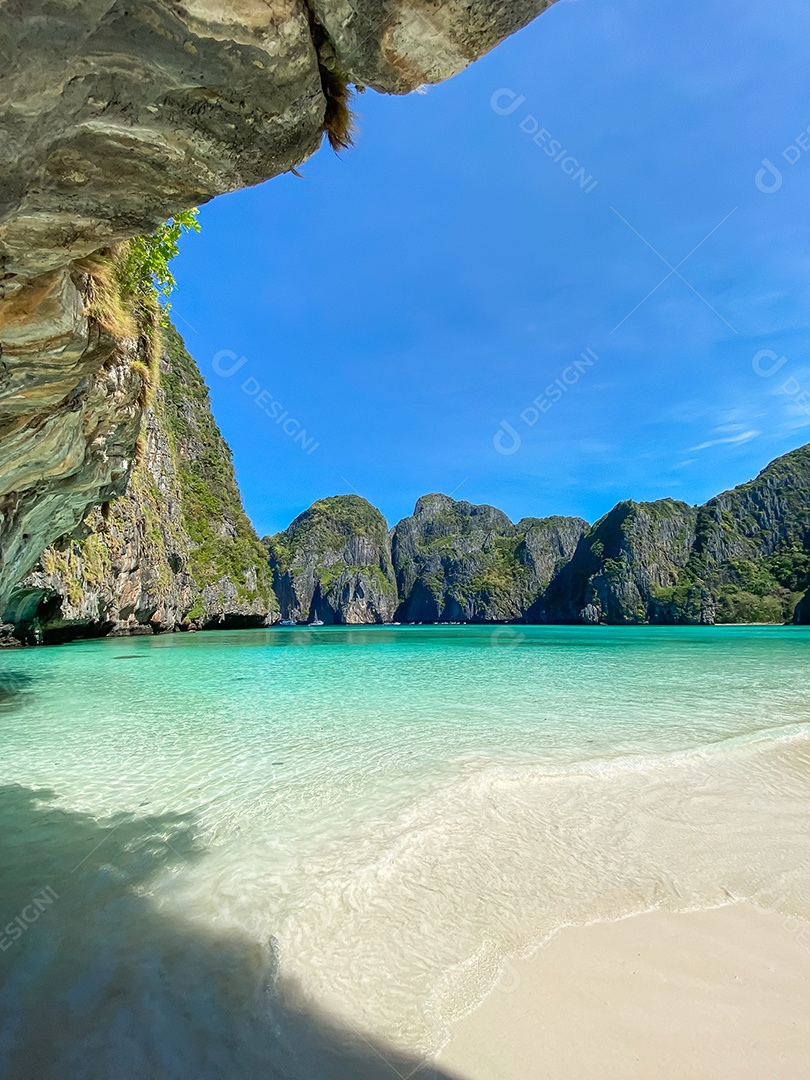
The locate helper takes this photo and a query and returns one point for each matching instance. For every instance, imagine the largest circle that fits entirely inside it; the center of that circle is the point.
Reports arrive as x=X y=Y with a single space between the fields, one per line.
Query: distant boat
x=286 y=622
x=315 y=622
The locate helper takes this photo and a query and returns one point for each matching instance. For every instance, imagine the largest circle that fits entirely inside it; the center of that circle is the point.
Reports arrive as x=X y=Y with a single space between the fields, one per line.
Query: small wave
x=639 y=761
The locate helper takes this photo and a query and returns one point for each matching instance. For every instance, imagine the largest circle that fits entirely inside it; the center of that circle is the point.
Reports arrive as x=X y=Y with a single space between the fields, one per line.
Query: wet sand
x=711 y=995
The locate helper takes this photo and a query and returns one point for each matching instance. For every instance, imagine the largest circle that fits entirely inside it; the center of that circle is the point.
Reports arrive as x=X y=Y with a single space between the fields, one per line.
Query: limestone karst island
x=404 y=540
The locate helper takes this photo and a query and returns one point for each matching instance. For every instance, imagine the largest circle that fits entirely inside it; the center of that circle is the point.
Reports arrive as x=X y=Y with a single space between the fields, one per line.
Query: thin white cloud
x=730 y=440
x=801 y=421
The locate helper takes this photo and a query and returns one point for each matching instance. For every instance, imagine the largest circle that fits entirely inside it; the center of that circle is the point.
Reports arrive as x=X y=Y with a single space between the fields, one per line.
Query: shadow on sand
x=98 y=981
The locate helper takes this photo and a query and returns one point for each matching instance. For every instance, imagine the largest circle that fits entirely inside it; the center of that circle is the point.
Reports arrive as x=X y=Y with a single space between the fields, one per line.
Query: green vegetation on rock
x=326 y=526
x=143 y=268
x=458 y=562
x=176 y=550
x=181 y=549
x=742 y=557
x=334 y=563
x=224 y=545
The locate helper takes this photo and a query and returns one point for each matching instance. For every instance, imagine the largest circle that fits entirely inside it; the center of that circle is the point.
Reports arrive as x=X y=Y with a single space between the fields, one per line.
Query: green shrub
x=143 y=268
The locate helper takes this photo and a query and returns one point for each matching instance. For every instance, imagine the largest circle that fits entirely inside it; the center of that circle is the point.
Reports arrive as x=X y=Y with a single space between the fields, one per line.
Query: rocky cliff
x=117 y=115
x=742 y=557
x=114 y=116
x=334 y=564
x=176 y=550
x=456 y=562
x=70 y=414
x=620 y=564
x=752 y=546
x=802 y=613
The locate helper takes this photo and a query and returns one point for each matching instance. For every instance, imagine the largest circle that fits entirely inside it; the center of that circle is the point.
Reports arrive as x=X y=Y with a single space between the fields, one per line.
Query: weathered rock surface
x=175 y=551
x=742 y=557
x=633 y=551
x=395 y=47
x=801 y=615
x=456 y=562
x=69 y=416
x=547 y=545
x=334 y=564
x=116 y=115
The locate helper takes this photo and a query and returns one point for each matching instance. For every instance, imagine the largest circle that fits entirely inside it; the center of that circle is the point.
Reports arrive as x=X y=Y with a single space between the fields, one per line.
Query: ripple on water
x=381 y=818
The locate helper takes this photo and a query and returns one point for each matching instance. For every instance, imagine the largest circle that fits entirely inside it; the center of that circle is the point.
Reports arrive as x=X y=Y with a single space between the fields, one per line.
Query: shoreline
x=11 y=643
x=715 y=994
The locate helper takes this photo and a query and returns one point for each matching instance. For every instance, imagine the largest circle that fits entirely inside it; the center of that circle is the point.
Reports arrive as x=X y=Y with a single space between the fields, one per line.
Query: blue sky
x=453 y=272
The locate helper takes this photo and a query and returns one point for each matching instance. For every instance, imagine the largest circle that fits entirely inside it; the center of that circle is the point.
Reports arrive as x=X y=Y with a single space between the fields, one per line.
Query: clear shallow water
x=242 y=827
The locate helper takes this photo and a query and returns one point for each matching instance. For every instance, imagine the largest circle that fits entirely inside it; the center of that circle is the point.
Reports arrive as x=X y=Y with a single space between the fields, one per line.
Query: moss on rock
x=176 y=550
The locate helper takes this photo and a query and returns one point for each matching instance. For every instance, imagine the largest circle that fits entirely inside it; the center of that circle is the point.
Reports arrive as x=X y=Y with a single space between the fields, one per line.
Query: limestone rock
x=69 y=417
x=114 y=116
x=396 y=46
x=633 y=551
x=744 y=556
x=457 y=562
x=334 y=564
x=801 y=616
x=176 y=550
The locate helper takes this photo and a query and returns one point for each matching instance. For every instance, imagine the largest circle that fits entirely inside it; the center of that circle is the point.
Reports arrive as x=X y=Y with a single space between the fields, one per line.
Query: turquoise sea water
x=243 y=828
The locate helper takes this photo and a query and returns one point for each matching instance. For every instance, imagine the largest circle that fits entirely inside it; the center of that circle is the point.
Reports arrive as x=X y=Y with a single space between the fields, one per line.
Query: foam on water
x=245 y=828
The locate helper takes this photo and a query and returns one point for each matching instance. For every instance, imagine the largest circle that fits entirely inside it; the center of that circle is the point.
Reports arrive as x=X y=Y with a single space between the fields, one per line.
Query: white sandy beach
x=711 y=995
